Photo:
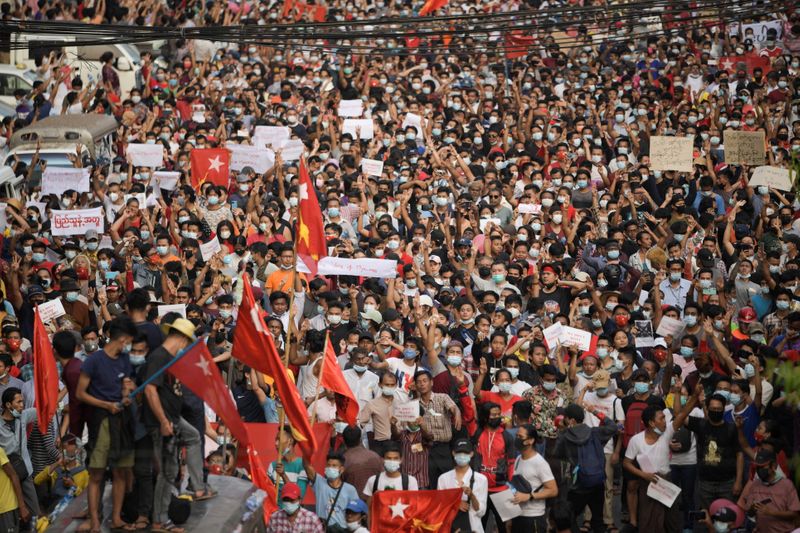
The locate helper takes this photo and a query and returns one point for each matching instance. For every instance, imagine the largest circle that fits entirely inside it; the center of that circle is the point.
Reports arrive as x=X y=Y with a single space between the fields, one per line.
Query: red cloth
x=431 y=6
x=253 y=345
x=394 y=511
x=517 y=44
x=258 y=474
x=210 y=164
x=332 y=378
x=311 y=244
x=45 y=375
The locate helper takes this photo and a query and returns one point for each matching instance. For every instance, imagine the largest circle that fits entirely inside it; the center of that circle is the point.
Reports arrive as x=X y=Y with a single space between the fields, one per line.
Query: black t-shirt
x=554 y=302
x=247 y=404
x=153 y=334
x=169 y=388
x=716 y=449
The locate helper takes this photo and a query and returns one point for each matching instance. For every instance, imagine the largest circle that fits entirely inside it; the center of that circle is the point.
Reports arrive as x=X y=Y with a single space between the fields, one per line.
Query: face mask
x=409 y=353
x=675 y=276
x=291 y=507
x=16 y=413
x=393 y=245
x=71 y=254
x=462 y=459
x=621 y=320
x=504 y=386
x=225 y=234
x=782 y=305
x=596 y=322
x=613 y=254
x=557 y=219
x=334 y=319
x=388 y=391
x=725 y=394
x=641 y=387
x=547 y=202
x=549 y=386
x=391 y=466
x=735 y=399
x=690 y=320
x=72 y=296
x=454 y=360
x=687 y=352
x=498 y=278
x=332 y=473
x=137 y=360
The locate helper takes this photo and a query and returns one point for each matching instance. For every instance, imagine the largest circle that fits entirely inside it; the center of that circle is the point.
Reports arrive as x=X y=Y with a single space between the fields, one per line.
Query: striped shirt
x=436 y=420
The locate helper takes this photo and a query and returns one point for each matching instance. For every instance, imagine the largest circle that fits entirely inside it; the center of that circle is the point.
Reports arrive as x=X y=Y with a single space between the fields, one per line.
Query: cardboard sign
x=291 y=150
x=57 y=180
x=146 y=155
x=51 y=310
x=671 y=153
x=365 y=127
x=372 y=167
x=777 y=178
x=744 y=147
x=76 y=222
x=174 y=308
x=208 y=249
x=245 y=155
x=166 y=180
x=351 y=108
x=367 y=268
x=669 y=326
x=271 y=135
x=406 y=412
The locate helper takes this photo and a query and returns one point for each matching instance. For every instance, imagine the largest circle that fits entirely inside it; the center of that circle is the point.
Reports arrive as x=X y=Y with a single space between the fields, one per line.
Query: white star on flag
x=215 y=164
x=399 y=509
x=727 y=64
x=303 y=191
x=203 y=364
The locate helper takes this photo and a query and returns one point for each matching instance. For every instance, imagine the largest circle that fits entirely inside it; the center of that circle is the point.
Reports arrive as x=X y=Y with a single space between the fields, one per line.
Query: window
x=11 y=82
x=94 y=51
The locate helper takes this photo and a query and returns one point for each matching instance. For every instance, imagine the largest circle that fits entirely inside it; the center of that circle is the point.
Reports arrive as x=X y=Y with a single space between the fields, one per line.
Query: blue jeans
x=685 y=476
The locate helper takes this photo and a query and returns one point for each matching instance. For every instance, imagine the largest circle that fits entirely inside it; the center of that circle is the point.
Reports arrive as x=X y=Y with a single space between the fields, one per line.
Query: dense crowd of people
x=610 y=345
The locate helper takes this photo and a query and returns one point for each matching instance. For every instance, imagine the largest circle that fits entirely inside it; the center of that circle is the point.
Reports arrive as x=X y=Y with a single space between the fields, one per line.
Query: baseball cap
x=601 y=379
x=92 y=235
x=660 y=342
x=747 y=315
x=462 y=446
x=291 y=491
x=356 y=506
x=706 y=258
x=425 y=300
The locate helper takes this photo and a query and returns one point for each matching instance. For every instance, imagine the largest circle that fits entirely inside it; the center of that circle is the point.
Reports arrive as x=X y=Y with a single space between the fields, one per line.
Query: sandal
x=86 y=527
x=141 y=524
x=121 y=528
x=167 y=527
x=205 y=495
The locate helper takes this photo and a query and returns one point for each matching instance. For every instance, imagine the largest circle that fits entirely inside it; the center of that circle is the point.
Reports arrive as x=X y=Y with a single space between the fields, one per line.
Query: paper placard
x=199 y=113
x=671 y=153
x=245 y=155
x=576 y=337
x=644 y=333
x=271 y=135
x=777 y=178
x=51 y=310
x=291 y=149
x=166 y=180
x=365 y=127
x=669 y=326
x=76 y=222
x=552 y=334
x=146 y=155
x=56 y=180
x=744 y=147
x=351 y=108
x=663 y=492
x=372 y=167
x=506 y=508
x=533 y=209
x=139 y=197
x=208 y=249
x=415 y=121
x=482 y=222
x=758 y=29
x=173 y=308
x=364 y=267
x=406 y=412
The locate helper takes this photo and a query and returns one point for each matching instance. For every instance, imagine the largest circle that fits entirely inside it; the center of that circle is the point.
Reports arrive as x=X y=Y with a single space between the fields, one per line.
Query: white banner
x=56 y=180
x=245 y=155
x=367 y=268
x=147 y=155
x=51 y=309
x=270 y=135
x=758 y=29
x=365 y=127
x=173 y=308
x=291 y=150
x=76 y=222
x=208 y=249
x=372 y=167
x=351 y=108
x=166 y=180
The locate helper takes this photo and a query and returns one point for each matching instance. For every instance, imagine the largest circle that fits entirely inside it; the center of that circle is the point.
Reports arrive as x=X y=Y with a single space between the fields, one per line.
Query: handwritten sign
x=174 y=308
x=406 y=412
x=351 y=108
x=166 y=180
x=363 y=128
x=756 y=30
x=271 y=135
x=56 y=180
x=576 y=337
x=76 y=222
x=245 y=155
x=51 y=310
x=669 y=326
x=671 y=153
x=367 y=268
x=533 y=209
x=372 y=167
x=552 y=334
x=744 y=147
x=291 y=149
x=208 y=249
x=146 y=155
x=664 y=492
x=777 y=178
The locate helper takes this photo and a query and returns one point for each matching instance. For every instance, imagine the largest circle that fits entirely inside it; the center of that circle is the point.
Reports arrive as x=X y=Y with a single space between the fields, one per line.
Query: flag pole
x=319 y=378
x=163 y=369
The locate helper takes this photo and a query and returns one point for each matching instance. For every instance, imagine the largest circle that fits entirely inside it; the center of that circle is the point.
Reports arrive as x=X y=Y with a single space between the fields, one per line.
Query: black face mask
x=489 y=307
x=763 y=473
x=519 y=443
x=715 y=416
x=494 y=423
x=445 y=299
x=512 y=279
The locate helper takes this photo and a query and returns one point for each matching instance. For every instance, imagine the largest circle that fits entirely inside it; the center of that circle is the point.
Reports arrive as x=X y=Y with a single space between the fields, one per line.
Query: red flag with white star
x=45 y=375
x=332 y=378
x=311 y=244
x=210 y=164
x=417 y=511
x=197 y=370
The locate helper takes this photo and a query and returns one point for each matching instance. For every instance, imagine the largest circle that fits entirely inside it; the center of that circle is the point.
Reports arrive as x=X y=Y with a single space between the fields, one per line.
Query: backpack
x=501 y=470
x=633 y=421
x=590 y=471
x=403 y=481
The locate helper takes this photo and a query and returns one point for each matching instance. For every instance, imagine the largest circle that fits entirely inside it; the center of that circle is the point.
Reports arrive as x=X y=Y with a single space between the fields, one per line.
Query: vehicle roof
x=96 y=125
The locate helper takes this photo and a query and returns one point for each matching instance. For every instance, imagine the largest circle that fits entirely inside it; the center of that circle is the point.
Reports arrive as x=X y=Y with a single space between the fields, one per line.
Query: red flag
x=394 y=511
x=45 y=375
x=311 y=244
x=431 y=6
x=258 y=474
x=517 y=44
x=210 y=164
x=332 y=378
x=253 y=345
x=748 y=62
x=196 y=369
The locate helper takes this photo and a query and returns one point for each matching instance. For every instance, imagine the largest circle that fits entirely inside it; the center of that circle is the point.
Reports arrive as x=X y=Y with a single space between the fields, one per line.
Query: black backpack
x=403 y=480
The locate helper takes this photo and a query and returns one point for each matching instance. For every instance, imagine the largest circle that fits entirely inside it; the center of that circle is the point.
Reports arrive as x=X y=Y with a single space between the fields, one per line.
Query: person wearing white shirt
x=474 y=485
x=532 y=466
x=647 y=457
x=675 y=288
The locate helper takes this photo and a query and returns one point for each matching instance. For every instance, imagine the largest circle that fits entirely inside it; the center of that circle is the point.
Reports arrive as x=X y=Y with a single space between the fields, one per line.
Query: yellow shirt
x=8 y=498
x=81 y=479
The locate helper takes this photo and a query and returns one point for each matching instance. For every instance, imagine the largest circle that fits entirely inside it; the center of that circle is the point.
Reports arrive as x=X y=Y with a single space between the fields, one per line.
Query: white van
x=84 y=60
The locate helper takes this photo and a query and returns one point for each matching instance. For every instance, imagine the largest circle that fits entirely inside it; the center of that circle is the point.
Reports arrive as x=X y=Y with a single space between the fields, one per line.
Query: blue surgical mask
x=409 y=353
x=602 y=352
x=138 y=360
x=291 y=507
x=549 y=386
x=687 y=351
x=462 y=459
x=641 y=387
x=613 y=254
x=391 y=466
x=735 y=399
x=71 y=296
x=504 y=386
x=454 y=360
x=332 y=473
x=690 y=320
x=725 y=394
x=360 y=369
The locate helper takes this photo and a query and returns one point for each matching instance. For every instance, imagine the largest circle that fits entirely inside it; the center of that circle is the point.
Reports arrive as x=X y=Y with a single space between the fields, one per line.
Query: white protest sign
x=139 y=197
x=406 y=412
x=671 y=153
x=244 y=155
x=533 y=209
x=372 y=167
x=76 y=222
x=367 y=268
x=644 y=333
x=147 y=155
x=56 y=180
x=756 y=30
x=663 y=492
x=777 y=178
x=174 y=308
x=484 y=221
x=291 y=150
x=669 y=326
x=208 y=249
x=199 y=113
x=552 y=334
x=51 y=310
x=271 y=135
x=504 y=503
x=576 y=337
x=363 y=128
x=167 y=180
x=351 y=108
x=413 y=120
